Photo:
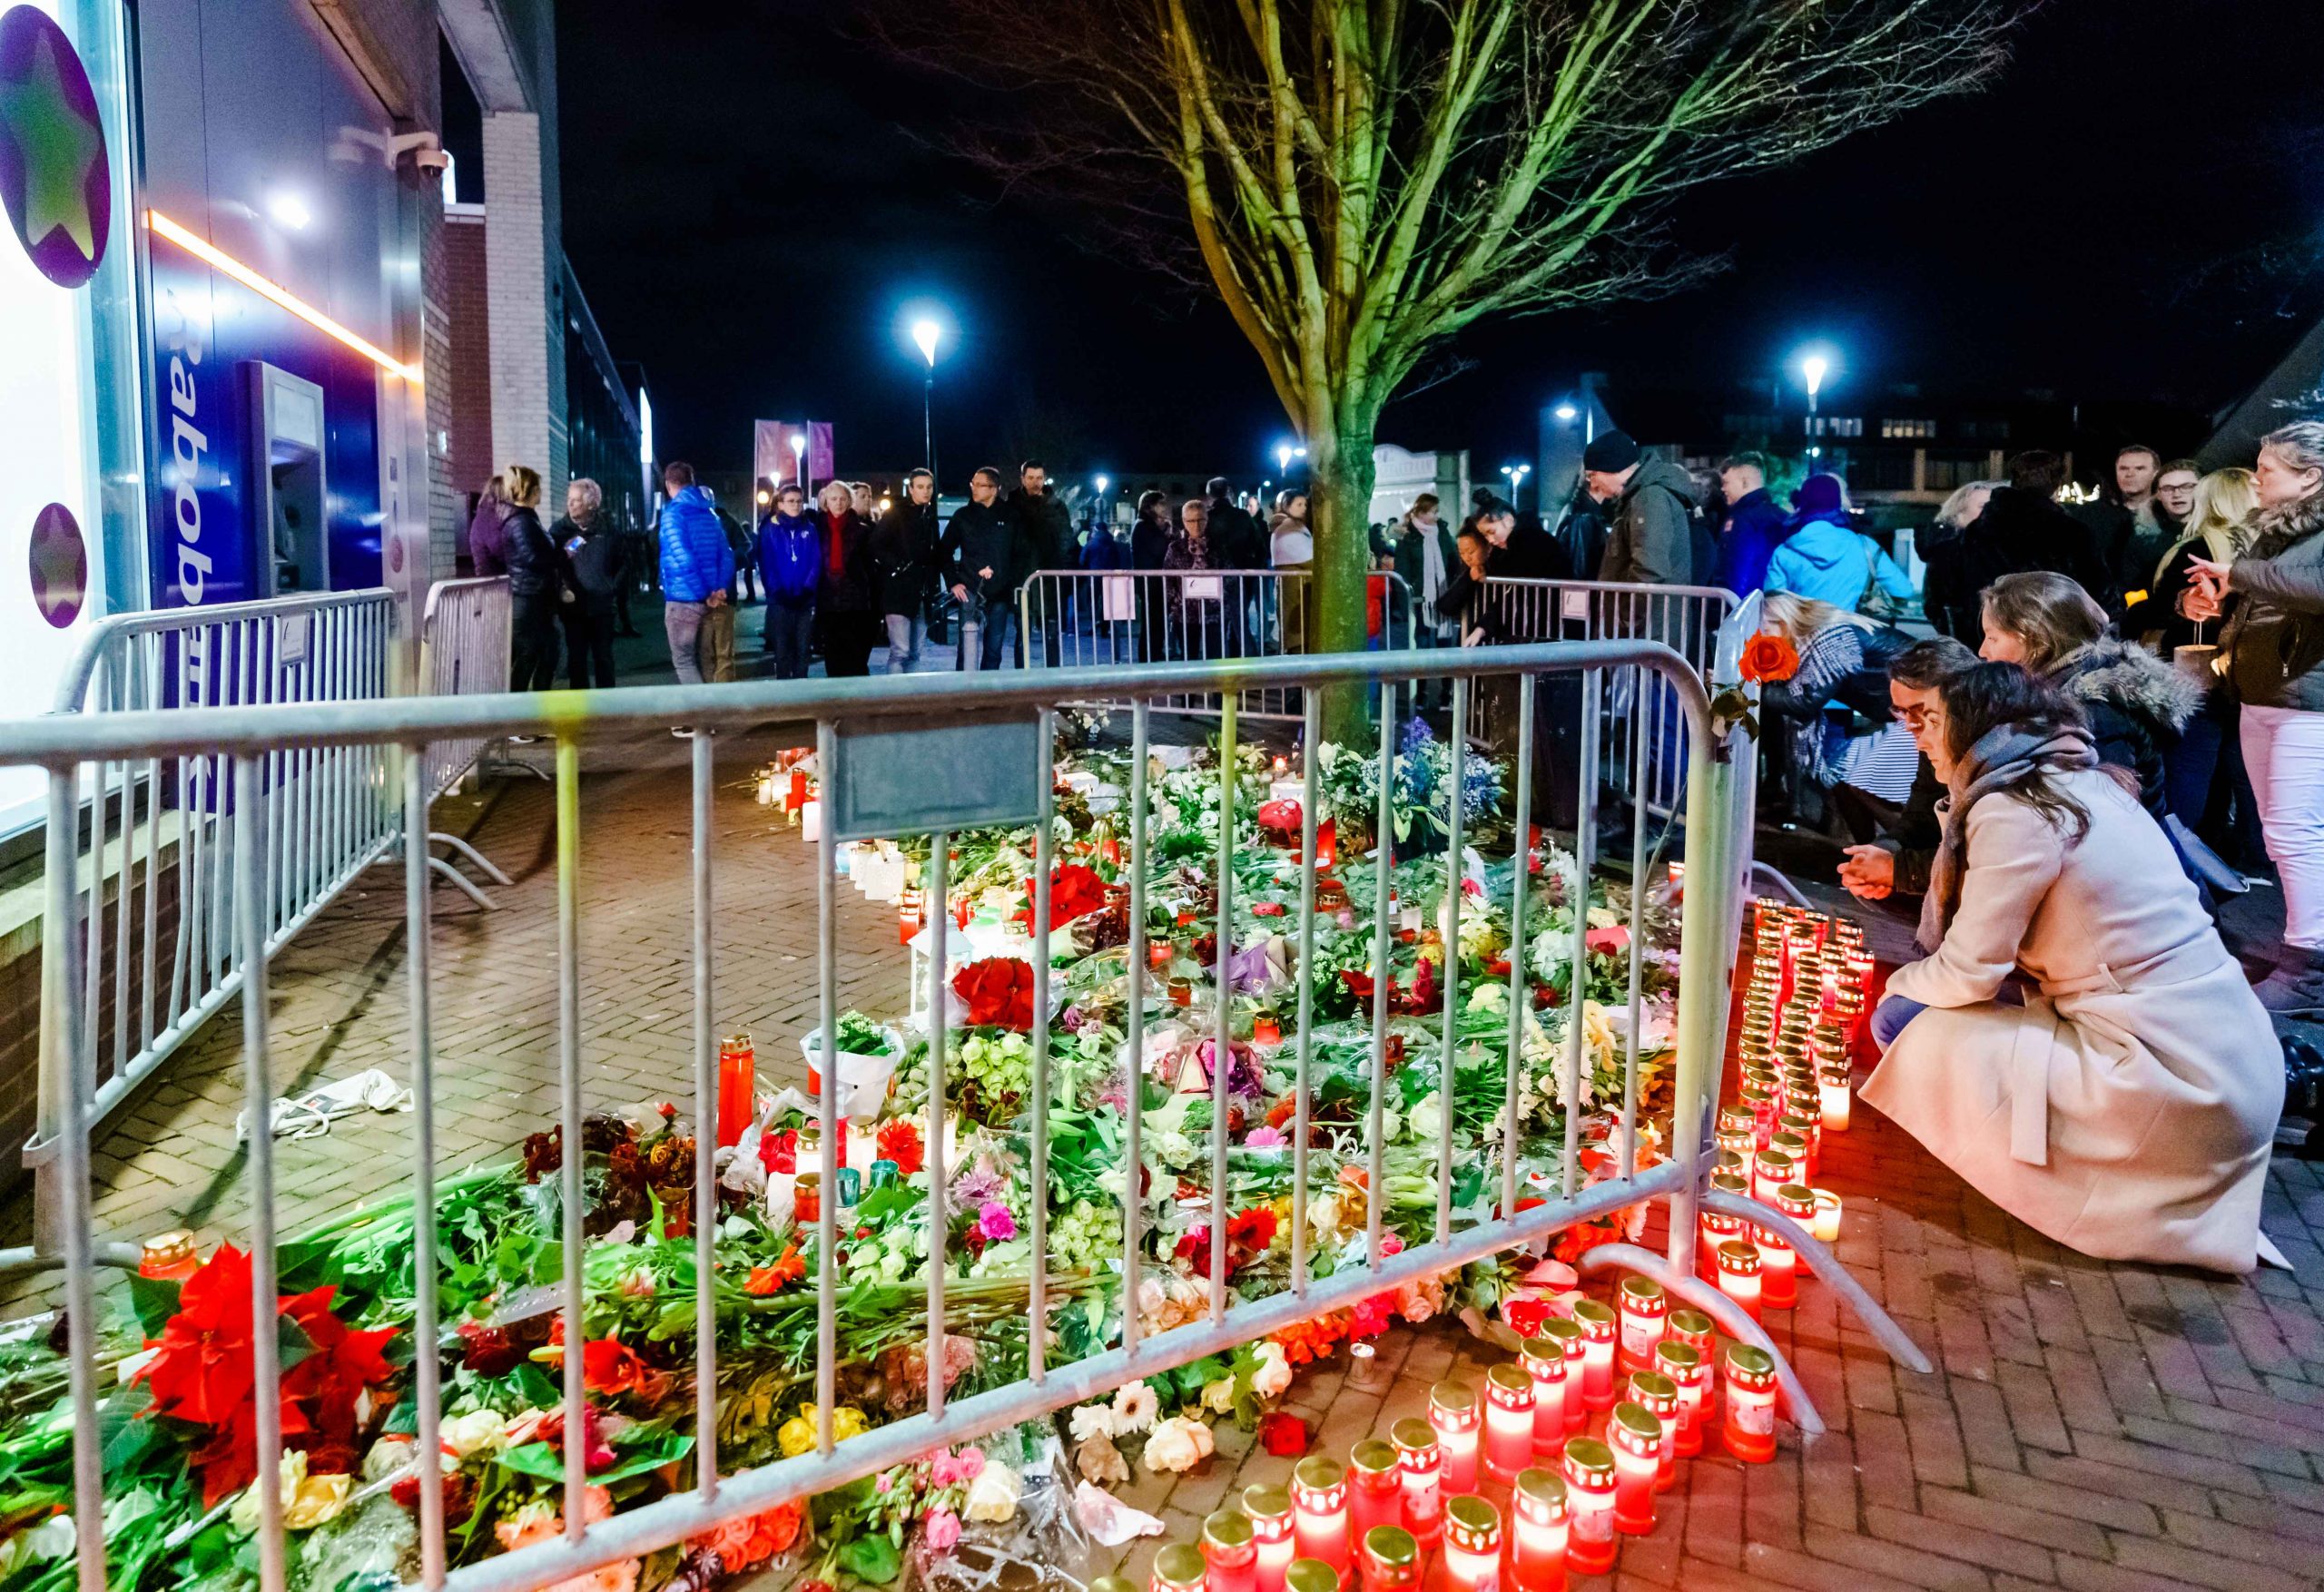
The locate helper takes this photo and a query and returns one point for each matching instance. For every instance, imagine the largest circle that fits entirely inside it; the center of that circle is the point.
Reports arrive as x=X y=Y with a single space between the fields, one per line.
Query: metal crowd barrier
x=1091 y=619
x=876 y=739
x=1641 y=727
x=150 y=869
x=463 y=651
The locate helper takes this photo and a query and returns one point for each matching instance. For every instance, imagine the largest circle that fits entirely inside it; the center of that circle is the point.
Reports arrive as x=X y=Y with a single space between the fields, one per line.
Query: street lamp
x=1814 y=368
x=1516 y=474
x=799 y=458
x=1565 y=411
x=1285 y=452
x=925 y=332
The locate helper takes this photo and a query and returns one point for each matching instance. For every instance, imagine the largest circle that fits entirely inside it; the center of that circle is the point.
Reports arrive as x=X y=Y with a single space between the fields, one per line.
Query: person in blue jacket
x=1825 y=558
x=1753 y=527
x=697 y=567
x=790 y=563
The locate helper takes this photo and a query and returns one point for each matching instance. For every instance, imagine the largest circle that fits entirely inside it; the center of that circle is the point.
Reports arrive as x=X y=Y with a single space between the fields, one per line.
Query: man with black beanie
x=1651 y=540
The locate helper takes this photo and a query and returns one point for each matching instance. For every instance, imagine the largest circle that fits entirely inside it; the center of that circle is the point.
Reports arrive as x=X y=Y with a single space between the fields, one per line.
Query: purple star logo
x=60 y=560
x=55 y=181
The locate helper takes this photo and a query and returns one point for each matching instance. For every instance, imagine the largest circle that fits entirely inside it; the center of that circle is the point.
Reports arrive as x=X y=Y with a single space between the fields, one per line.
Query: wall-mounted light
x=217 y=259
x=290 y=210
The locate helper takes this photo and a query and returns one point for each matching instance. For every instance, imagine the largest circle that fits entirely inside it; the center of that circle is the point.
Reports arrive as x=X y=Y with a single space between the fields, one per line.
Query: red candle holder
x=1760 y=1101
x=1574 y=1342
x=1509 y=1421
x=1269 y=1508
x=1544 y=1360
x=1643 y=1309
x=1391 y=1560
x=1736 y=1131
x=1689 y=1373
x=1749 y=1429
x=1178 y=1568
x=1738 y=1274
x=1472 y=1545
x=737 y=1099
x=1230 y=1552
x=1797 y=1201
x=1589 y=1467
x=1791 y=1142
x=1538 y=1525
x=1453 y=1411
x=1311 y=1575
x=1319 y=1514
x=1420 y=1469
x=1635 y=1434
x=1656 y=1392
x=1714 y=1228
x=1769 y=1173
x=1600 y=1331
x=1375 y=1493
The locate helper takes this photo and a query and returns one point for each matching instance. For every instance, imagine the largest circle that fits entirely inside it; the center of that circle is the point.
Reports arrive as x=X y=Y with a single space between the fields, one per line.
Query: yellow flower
x=307 y=1500
x=848 y=1421
x=797 y=1435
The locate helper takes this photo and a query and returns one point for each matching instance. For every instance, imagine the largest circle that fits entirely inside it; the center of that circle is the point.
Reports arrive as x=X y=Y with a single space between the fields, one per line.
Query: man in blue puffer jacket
x=697 y=567
x=791 y=560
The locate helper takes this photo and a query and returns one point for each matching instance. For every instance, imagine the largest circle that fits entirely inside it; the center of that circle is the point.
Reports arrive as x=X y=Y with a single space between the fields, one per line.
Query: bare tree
x=1359 y=180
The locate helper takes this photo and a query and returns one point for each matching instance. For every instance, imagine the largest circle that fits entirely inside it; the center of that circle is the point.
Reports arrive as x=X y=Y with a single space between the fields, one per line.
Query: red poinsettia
x=899 y=1141
x=1254 y=1230
x=1075 y=891
x=1283 y=1434
x=202 y=1370
x=332 y=1377
x=998 y=991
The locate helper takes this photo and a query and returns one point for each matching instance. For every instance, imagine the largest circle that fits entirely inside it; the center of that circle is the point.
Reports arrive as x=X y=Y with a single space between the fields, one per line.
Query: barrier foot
x=444 y=869
x=472 y=854
x=1761 y=872
x=26 y=1257
x=1730 y=1317
x=1827 y=1268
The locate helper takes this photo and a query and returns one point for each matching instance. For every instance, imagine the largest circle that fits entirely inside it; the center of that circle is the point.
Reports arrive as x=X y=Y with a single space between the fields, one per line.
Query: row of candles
x=1806 y=997
x=1585 y=1431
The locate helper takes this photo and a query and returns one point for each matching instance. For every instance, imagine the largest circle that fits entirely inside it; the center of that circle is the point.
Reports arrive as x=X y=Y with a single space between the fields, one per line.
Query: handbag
x=1874 y=603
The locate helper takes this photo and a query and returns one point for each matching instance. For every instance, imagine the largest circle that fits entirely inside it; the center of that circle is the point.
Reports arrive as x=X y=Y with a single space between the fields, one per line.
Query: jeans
x=2190 y=763
x=905 y=632
x=2283 y=748
x=683 y=624
x=790 y=632
x=589 y=644
x=984 y=641
x=532 y=643
x=1889 y=1018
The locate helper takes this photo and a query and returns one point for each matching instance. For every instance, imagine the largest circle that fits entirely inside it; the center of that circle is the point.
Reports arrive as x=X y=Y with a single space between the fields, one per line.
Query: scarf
x=1431 y=563
x=2002 y=756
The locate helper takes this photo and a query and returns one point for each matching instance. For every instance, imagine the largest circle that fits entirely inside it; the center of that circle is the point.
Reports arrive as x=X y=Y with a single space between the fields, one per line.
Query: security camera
x=430 y=159
x=426 y=150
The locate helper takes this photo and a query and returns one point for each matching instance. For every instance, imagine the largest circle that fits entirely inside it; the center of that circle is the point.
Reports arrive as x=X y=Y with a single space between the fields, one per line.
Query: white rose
x=993 y=1494
x=1427 y=1118
x=1219 y=1397
x=477 y=1431
x=1092 y=1421
x=1273 y=1377
x=1178 y=1444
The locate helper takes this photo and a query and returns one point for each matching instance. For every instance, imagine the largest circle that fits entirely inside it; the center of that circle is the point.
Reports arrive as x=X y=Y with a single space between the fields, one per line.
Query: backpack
x=1876 y=602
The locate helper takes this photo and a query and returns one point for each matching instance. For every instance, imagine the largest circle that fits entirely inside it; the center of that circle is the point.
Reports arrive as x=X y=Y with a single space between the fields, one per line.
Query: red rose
x=1769 y=656
x=1524 y=1314
x=1283 y=1434
x=998 y=991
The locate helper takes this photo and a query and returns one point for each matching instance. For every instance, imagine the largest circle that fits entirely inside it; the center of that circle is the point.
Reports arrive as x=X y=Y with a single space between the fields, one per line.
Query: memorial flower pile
x=181 y=1459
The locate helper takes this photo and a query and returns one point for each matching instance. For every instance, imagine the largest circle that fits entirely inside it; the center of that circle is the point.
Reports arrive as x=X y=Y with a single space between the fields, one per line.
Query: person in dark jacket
x=847 y=597
x=2023 y=528
x=1898 y=863
x=2134 y=704
x=1947 y=596
x=2125 y=521
x=697 y=567
x=1235 y=539
x=588 y=546
x=1045 y=540
x=487 y=545
x=1583 y=531
x=903 y=551
x=791 y=562
x=535 y=577
x=977 y=564
x=1751 y=528
x=1651 y=538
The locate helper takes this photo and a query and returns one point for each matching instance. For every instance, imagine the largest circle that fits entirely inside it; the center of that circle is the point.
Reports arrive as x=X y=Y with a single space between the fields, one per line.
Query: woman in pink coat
x=2078 y=1046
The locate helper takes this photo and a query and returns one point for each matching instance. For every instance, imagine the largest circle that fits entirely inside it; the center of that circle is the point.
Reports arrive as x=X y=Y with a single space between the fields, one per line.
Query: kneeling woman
x=2127 y=1106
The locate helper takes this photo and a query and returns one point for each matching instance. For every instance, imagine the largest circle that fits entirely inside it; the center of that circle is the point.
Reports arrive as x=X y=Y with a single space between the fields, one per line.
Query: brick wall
x=528 y=410
x=467 y=322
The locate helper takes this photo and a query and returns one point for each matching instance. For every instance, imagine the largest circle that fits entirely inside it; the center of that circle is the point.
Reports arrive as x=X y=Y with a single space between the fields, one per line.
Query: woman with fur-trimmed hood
x=2134 y=704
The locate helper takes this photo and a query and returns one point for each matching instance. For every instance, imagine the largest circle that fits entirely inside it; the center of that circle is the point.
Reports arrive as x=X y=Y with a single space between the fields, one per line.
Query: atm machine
x=286 y=475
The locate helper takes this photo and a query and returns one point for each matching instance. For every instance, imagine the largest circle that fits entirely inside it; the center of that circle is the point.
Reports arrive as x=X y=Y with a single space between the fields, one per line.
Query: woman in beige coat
x=2127 y=1105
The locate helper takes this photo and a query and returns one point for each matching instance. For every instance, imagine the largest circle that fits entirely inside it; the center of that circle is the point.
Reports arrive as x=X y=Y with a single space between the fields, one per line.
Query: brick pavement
x=2100 y=1427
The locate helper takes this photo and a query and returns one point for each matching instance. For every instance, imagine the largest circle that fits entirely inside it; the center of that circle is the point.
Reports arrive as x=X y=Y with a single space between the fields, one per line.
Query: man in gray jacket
x=1650 y=541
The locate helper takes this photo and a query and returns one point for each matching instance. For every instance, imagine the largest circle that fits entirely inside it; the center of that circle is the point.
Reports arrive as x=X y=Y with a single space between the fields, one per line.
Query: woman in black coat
x=903 y=550
x=847 y=595
x=536 y=577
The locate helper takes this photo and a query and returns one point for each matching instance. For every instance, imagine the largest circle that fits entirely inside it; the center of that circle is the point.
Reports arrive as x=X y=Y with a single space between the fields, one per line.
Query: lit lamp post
x=1516 y=474
x=925 y=332
x=1814 y=368
x=799 y=458
x=1285 y=452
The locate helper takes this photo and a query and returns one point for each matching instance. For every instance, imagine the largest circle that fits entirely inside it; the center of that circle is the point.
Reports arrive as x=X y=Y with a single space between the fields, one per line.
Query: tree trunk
x=1339 y=506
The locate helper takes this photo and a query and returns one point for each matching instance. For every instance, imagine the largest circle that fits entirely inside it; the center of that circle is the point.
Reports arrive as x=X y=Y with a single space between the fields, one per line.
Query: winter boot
x=2296 y=989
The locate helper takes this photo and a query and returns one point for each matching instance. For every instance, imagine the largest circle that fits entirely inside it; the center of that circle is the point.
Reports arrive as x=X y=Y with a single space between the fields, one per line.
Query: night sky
x=752 y=195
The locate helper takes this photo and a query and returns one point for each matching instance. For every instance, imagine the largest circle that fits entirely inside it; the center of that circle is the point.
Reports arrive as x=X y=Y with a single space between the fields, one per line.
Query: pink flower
x=943 y=1470
x=1614 y=939
x=943 y=1530
x=971 y=1463
x=1390 y=1244
x=884 y=1482
x=995 y=1221
x=1262 y=1138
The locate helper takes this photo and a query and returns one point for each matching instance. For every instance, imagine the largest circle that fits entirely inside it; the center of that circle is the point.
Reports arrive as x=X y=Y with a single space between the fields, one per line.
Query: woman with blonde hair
x=1844 y=741
x=535 y=576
